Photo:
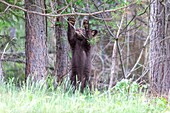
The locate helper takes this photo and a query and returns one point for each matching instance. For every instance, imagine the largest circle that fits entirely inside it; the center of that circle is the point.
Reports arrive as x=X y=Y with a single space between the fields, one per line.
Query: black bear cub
x=81 y=52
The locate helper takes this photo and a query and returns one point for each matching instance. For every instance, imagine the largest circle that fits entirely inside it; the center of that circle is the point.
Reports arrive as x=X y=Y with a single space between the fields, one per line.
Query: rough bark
x=36 y=48
x=61 y=48
x=159 y=48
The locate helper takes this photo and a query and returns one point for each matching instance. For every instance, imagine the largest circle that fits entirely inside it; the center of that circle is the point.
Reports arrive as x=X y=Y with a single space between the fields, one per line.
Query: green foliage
x=58 y=23
x=125 y=86
x=93 y=41
x=14 y=71
x=70 y=54
x=79 y=2
x=12 y=19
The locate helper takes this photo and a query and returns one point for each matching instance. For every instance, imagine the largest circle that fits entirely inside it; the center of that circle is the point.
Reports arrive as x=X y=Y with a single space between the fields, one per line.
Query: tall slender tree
x=36 y=48
x=61 y=46
x=160 y=47
x=114 y=72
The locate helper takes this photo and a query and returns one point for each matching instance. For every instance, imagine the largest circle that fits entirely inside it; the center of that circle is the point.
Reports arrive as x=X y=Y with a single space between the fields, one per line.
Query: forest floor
x=39 y=99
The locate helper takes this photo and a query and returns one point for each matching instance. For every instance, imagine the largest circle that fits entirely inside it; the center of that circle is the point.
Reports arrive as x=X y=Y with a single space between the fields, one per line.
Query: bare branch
x=134 y=17
x=14 y=60
x=144 y=45
x=69 y=14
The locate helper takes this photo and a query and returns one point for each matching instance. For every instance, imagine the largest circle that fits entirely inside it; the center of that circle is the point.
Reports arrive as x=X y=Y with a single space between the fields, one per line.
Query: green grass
x=39 y=99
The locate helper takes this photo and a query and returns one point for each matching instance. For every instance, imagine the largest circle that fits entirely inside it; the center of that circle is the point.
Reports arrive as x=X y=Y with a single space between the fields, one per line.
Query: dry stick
x=4 y=51
x=14 y=60
x=6 y=9
x=69 y=14
x=144 y=45
x=142 y=75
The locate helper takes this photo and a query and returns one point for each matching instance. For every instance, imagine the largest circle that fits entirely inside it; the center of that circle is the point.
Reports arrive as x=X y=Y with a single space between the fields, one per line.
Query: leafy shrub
x=125 y=86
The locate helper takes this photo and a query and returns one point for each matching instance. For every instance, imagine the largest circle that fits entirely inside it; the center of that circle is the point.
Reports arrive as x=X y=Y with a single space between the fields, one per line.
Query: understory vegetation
x=126 y=97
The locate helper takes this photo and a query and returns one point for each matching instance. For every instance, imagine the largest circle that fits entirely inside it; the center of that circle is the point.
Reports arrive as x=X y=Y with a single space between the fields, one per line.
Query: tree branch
x=14 y=60
x=133 y=69
x=69 y=14
x=134 y=17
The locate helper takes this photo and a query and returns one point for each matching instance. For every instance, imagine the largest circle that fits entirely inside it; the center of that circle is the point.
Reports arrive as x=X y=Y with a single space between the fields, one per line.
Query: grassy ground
x=38 y=99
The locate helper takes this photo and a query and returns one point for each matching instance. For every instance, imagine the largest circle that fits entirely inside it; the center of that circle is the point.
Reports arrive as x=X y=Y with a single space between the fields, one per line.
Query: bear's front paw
x=71 y=20
x=86 y=23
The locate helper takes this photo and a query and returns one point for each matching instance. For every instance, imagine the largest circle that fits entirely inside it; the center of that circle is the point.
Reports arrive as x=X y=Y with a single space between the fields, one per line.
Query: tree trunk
x=1 y=72
x=36 y=48
x=61 y=48
x=114 y=72
x=159 y=48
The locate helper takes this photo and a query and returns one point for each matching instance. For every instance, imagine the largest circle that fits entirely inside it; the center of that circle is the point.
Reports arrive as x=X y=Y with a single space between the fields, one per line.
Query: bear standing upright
x=81 y=52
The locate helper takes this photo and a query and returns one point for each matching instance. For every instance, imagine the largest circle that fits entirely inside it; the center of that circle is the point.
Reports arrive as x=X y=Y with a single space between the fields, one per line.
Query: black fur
x=81 y=52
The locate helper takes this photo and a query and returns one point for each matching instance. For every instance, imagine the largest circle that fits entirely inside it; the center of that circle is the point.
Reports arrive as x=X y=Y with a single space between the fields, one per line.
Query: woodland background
x=132 y=43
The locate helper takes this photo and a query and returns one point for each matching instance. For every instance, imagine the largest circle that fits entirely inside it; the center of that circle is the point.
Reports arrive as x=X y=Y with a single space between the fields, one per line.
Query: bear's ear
x=94 y=33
